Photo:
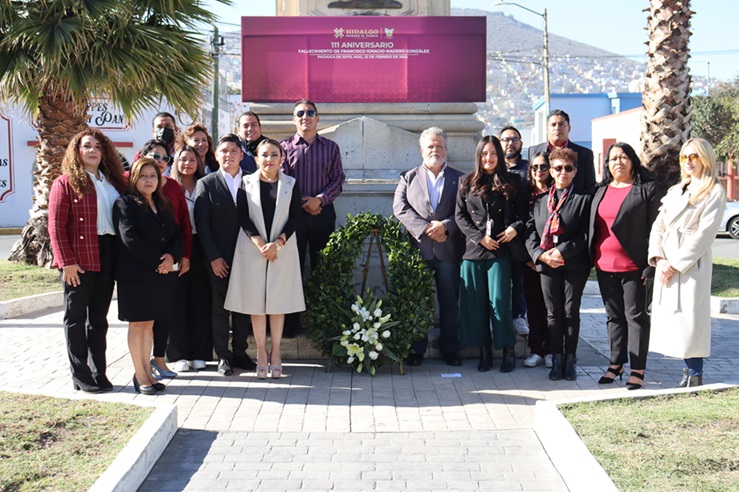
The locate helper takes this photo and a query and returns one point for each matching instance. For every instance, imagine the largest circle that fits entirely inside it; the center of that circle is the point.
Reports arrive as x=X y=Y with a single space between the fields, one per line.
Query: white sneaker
x=548 y=361
x=181 y=366
x=521 y=326
x=198 y=364
x=533 y=360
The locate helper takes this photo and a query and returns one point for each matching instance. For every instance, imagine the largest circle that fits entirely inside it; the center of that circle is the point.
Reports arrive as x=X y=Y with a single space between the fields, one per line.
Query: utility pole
x=216 y=43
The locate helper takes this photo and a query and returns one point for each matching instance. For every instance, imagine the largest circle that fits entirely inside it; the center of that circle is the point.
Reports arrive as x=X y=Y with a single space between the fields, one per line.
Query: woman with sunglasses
x=197 y=137
x=191 y=337
x=680 y=249
x=624 y=207
x=172 y=191
x=558 y=244
x=539 y=181
x=491 y=211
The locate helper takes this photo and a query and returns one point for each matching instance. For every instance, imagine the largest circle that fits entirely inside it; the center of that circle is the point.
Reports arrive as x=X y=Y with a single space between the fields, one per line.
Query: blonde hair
x=709 y=175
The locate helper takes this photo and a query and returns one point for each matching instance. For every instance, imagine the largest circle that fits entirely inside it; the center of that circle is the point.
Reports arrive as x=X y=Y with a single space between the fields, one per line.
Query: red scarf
x=553 y=227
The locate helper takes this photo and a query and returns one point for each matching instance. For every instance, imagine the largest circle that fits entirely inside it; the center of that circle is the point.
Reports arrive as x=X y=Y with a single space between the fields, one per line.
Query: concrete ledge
x=578 y=468
x=133 y=464
x=24 y=305
x=724 y=305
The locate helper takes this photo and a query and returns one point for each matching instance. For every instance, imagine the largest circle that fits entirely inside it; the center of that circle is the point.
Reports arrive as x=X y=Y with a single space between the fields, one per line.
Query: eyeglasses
x=540 y=167
x=159 y=157
x=514 y=140
x=693 y=158
x=568 y=168
x=308 y=112
x=616 y=158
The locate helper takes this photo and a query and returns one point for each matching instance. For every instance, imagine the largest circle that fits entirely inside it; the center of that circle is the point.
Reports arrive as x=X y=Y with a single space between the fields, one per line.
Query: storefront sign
x=363 y=59
x=6 y=158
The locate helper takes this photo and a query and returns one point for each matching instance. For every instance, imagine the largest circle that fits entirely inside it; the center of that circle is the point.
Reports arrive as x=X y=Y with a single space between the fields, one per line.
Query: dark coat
x=585 y=178
x=575 y=219
x=472 y=213
x=143 y=237
x=216 y=218
x=633 y=222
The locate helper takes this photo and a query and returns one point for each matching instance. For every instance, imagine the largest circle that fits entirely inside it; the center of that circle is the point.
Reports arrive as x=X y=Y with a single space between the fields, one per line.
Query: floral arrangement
x=361 y=339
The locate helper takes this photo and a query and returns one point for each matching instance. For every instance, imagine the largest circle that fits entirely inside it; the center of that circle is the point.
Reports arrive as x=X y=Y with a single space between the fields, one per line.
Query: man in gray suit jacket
x=424 y=203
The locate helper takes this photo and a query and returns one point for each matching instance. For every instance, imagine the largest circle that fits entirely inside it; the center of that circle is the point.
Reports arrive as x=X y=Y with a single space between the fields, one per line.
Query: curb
x=133 y=464
x=580 y=471
x=24 y=305
x=724 y=305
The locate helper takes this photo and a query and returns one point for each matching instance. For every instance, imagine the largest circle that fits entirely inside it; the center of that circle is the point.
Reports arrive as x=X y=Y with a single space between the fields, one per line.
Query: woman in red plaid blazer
x=83 y=243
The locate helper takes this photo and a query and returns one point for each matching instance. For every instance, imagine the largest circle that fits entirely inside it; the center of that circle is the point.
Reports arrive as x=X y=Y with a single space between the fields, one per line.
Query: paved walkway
x=436 y=428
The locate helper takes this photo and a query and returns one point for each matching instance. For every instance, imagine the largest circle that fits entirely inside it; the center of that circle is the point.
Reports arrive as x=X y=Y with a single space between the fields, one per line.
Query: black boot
x=509 y=360
x=684 y=381
x=555 y=374
x=486 y=359
x=570 y=372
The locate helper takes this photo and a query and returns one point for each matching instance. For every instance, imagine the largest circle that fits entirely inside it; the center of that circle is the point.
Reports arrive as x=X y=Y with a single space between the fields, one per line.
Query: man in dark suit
x=558 y=137
x=217 y=224
x=424 y=203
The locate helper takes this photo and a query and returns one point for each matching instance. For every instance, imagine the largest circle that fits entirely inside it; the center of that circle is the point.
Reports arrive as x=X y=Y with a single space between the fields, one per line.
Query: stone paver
x=314 y=430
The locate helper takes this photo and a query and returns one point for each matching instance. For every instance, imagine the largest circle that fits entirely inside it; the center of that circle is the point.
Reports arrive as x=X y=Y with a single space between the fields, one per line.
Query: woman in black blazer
x=558 y=245
x=625 y=204
x=150 y=244
x=491 y=211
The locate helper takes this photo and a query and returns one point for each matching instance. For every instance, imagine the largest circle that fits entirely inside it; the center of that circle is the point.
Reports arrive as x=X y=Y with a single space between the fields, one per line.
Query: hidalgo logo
x=339 y=32
x=389 y=32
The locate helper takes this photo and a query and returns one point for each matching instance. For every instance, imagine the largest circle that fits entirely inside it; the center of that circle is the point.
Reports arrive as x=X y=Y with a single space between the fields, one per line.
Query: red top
x=73 y=226
x=609 y=254
x=176 y=196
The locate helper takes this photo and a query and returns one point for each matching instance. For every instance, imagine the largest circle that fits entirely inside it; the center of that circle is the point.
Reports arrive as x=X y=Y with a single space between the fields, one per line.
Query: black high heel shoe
x=80 y=385
x=618 y=371
x=486 y=359
x=144 y=390
x=635 y=386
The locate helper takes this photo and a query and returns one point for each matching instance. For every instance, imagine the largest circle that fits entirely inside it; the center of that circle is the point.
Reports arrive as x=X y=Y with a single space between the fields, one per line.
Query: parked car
x=730 y=220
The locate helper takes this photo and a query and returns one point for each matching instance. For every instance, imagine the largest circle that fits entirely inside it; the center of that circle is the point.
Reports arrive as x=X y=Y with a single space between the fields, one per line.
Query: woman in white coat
x=680 y=248
x=265 y=275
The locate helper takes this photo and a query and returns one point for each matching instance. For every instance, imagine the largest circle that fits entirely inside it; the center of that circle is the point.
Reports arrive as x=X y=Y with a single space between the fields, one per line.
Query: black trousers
x=624 y=297
x=537 y=313
x=312 y=235
x=85 y=316
x=562 y=291
x=191 y=333
x=220 y=322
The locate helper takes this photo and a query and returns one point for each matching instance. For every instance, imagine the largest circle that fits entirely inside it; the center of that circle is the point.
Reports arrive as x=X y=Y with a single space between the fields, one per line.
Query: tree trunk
x=60 y=118
x=666 y=124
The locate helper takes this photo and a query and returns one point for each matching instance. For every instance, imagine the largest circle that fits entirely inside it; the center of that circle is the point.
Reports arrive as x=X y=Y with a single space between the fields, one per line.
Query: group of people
x=205 y=239
x=202 y=239
x=515 y=239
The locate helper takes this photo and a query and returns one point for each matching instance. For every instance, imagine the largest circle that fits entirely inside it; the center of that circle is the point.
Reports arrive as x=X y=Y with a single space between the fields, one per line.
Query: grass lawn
x=686 y=442
x=725 y=278
x=20 y=280
x=61 y=445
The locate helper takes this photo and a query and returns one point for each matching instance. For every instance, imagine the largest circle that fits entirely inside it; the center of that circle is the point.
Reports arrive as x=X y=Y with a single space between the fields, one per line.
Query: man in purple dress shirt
x=315 y=162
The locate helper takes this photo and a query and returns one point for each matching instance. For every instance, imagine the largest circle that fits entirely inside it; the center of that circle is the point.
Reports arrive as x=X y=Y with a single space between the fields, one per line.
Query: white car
x=730 y=220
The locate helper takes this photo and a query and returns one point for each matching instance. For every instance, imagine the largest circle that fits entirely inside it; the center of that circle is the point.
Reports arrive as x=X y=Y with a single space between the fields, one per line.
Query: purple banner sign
x=363 y=59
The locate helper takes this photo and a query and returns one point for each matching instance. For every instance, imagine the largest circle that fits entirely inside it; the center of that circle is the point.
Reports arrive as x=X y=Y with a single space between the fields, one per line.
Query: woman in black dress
x=150 y=245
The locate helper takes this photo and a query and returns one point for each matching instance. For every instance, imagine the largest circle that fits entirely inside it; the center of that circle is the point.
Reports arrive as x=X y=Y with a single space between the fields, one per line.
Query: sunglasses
x=568 y=168
x=159 y=157
x=540 y=167
x=309 y=112
x=693 y=158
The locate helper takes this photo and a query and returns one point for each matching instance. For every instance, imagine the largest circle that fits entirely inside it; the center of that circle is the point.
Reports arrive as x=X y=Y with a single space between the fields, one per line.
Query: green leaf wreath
x=409 y=297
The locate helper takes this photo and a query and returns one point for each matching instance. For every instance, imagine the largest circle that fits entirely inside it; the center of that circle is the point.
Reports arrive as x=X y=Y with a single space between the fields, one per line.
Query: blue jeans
x=446 y=277
x=695 y=366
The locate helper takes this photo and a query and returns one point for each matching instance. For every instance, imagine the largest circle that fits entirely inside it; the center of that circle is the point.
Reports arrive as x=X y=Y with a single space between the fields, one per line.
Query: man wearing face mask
x=164 y=127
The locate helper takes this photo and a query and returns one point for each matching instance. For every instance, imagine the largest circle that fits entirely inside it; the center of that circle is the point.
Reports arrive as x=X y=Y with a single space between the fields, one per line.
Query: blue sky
x=618 y=27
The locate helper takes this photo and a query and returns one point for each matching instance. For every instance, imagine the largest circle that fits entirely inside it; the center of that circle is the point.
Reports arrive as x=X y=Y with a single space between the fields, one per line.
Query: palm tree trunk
x=60 y=118
x=666 y=124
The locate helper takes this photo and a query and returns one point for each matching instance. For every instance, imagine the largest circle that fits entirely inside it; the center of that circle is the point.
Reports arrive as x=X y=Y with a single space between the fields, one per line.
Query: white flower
x=373 y=355
x=357 y=336
x=350 y=359
x=378 y=347
x=377 y=325
x=355 y=309
x=346 y=332
x=365 y=338
x=356 y=326
x=378 y=312
x=386 y=334
x=345 y=343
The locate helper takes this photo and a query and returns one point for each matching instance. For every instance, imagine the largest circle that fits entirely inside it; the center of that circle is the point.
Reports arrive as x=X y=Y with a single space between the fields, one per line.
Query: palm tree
x=666 y=124
x=56 y=55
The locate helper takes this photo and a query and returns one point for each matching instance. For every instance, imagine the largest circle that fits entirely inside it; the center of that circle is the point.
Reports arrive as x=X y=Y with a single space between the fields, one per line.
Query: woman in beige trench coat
x=265 y=276
x=680 y=249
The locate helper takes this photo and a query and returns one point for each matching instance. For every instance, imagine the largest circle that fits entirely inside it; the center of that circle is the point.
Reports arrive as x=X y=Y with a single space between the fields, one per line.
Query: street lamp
x=547 y=97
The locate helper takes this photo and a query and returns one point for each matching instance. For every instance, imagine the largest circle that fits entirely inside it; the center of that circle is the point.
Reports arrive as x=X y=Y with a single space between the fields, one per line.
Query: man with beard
x=510 y=139
x=250 y=131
